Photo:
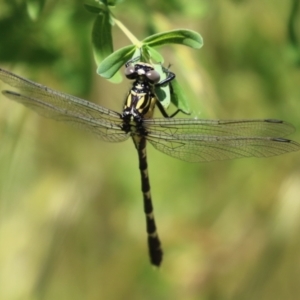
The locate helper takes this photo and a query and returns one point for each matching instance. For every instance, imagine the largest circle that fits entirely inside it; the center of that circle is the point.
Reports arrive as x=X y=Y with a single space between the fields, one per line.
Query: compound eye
x=130 y=72
x=153 y=76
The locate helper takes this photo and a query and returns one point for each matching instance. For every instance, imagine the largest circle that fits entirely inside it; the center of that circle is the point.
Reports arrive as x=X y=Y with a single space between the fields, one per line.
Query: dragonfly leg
x=170 y=76
x=132 y=60
x=165 y=114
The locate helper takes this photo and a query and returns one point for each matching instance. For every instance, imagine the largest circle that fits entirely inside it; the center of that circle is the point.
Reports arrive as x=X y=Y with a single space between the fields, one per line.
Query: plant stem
x=126 y=31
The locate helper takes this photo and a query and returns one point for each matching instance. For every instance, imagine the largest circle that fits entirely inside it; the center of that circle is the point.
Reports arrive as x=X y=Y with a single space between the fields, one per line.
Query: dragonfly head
x=142 y=72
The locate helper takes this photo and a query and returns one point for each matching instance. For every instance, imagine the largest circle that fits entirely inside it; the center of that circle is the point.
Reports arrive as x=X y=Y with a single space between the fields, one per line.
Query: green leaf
x=104 y=2
x=171 y=93
x=178 y=97
x=154 y=54
x=34 y=8
x=113 y=2
x=111 y=64
x=101 y=37
x=163 y=92
x=94 y=8
x=178 y=36
x=117 y=78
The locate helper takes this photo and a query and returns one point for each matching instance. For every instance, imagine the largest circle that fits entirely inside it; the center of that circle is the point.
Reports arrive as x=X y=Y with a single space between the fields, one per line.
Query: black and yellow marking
x=143 y=103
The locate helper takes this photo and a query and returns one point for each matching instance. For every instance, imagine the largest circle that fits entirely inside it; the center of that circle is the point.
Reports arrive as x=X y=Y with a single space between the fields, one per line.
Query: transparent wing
x=209 y=140
x=191 y=140
x=105 y=123
x=266 y=127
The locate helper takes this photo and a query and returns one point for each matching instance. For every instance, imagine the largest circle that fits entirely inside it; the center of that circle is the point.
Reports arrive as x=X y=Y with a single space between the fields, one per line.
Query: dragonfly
x=188 y=139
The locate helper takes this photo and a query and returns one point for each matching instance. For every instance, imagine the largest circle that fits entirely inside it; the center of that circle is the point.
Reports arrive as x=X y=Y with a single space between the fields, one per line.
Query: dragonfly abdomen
x=154 y=244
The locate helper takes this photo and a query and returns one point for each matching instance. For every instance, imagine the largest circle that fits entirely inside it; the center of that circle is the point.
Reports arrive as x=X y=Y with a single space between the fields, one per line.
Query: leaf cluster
x=109 y=61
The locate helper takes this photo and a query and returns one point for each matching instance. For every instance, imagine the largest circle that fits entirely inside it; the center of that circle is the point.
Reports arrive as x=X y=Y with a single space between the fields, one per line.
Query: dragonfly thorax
x=139 y=104
x=141 y=99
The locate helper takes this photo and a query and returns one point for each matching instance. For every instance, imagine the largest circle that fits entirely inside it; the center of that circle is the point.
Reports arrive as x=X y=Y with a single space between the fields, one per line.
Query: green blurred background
x=71 y=216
